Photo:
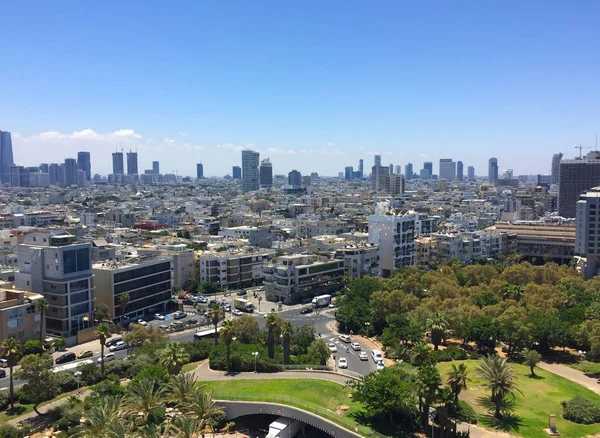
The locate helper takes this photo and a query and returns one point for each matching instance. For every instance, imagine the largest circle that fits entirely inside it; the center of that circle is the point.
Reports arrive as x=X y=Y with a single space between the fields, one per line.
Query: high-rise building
x=587 y=231
x=132 y=163
x=155 y=167
x=15 y=175
x=391 y=169
x=44 y=167
x=250 y=171
x=361 y=168
x=84 y=163
x=396 y=184
x=424 y=174
x=70 y=172
x=556 y=158
x=377 y=161
x=408 y=171
x=493 y=170
x=117 y=162
x=199 y=171
x=428 y=165
x=459 y=170
x=349 y=173
x=574 y=178
x=61 y=175
x=398 y=169
x=6 y=156
x=471 y=173
x=380 y=178
x=295 y=179
x=447 y=169
x=395 y=236
x=53 y=171
x=266 y=173
x=236 y=172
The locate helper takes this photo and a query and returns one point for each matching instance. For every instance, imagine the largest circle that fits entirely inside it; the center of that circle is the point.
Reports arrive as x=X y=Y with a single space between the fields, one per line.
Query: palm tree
x=12 y=352
x=41 y=305
x=215 y=313
x=174 y=357
x=445 y=409
x=124 y=299
x=421 y=353
x=228 y=334
x=101 y=415
x=181 y=387
x=163 y=430
x=201 y=406
x=457 y=379
x=188 y=427
x=102 y=333
x=144 y=397
x=437 y=325
x=428 y=383
x=273 y=324
x=499 y=378
x=287 y=329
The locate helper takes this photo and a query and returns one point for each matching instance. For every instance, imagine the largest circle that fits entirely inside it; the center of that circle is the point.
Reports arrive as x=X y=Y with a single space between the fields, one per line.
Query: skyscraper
x=132 y=163
x=266 y=173
x=380 y=178
x=349 y=173
x=428 y=165
x=6 y=156
x=118 y=168
x=391 y=169
x=493 y=170
x=53 y=172
x=408 y=171
x=70 y=172
x=84 y=163
x=250 y=171
x=295 y=179
x=44 y=167
x=236 y=172
x=155 y=167
x=398 y=169
x=471 y=173
x=377 y=160
x=447 y=169
x=199 y=171
x=556 y=158
x=361 y=168
x=459 y=170
x=574 y=178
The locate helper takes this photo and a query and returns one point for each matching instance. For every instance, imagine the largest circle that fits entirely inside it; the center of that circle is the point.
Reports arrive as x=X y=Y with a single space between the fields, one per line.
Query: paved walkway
x=573 y=375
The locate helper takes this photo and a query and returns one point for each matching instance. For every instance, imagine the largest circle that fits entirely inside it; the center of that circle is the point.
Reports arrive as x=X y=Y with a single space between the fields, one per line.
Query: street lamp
x=77 y=375
x=367 y=324
x=255 y=354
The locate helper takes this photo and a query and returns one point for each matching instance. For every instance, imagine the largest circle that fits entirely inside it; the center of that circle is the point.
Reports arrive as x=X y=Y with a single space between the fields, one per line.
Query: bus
x=71 y=366
x=207 y=334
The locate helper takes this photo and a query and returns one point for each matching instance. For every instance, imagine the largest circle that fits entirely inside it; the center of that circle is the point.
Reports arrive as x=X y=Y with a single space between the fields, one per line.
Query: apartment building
x=19 y=317
x=394 y=235
x=360 y=260
x=297 y=278
x=53 y=264
x=183 y=260
x=587 y=241
x=234 y=269
x=148 y=279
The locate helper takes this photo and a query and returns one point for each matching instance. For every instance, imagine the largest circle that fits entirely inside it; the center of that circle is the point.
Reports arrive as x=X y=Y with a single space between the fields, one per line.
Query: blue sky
x=313 y=85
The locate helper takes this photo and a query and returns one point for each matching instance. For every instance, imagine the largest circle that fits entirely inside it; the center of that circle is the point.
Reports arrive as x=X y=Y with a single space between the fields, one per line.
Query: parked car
x=189 y=302
x=118 y=346
x=380 y=365
x=363 y=356
x=242 y=293
x=236 y=312
x=179 y=315
x=85 y=353
x=67 y=357
x=355 y=346
x=342 y=363
x=142 y=322
x=3 y=363
x=306 y=310
x=2 y=373
x=112 y=342
x=203 y=299
x=159 y=317
x=192 y=321
x=332 y=348
x=107 y=358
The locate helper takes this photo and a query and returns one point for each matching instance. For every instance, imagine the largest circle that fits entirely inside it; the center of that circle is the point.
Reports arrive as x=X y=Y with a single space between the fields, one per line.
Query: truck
x=244 y=305
x=284 y=428
x=321 y=301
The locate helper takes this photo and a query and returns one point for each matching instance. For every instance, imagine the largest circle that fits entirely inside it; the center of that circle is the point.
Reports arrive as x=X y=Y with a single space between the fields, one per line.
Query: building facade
x=395 y=237
x=84 y=163
x=234 y=270
x=250 y=171
x=266 y=173
x=576 y=177
x=6 y=156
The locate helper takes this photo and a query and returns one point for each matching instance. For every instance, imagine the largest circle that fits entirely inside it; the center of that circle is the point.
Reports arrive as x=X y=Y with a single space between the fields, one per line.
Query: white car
x=380 y=365
x=342 y=363
x=142 y=322
x=118 y=346
x=159 y=317
x=363 y=356
x=332 y=348
x=236 y=312
x=355 y=346
x=107 y=357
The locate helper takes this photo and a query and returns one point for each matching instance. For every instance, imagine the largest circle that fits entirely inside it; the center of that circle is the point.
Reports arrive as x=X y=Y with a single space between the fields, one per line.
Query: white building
x=360 y=260
x=395 y=236
x=587 y=234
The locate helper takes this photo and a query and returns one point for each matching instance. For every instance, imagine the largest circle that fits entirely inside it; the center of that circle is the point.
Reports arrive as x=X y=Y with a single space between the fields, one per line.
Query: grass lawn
x=190 y=366
x=318 y=396
x=541 y=397
x=7 y=415
x=592 y=368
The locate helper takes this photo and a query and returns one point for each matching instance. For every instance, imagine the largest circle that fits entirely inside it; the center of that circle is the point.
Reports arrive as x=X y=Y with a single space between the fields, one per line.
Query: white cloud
x=168 y=140
x=182 y=134
x=330 y=144
x=421 y=155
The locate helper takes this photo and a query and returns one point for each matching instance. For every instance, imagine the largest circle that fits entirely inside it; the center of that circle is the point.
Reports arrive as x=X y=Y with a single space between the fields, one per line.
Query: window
x=76 y=260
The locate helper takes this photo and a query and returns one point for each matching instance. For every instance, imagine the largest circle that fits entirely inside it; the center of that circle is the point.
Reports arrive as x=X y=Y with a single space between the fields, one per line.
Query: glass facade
x=76 y=260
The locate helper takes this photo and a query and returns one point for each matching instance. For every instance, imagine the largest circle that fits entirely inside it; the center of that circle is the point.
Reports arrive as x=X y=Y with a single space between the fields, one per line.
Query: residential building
x=147 y=279
x=132 y=163
x=234 y=269
x=361 y=168
x=156 y=167
x=380 y=178
x=71 y=172
x=117 y=163
x=199 y=171
x=471 y=173
x=348 y=173
x=575 y=177
x=493 y=170
x=428 y=165
x=556 y=159
x=447 y=169
x=396 y=184
x=236 y=172
x=263 y=237
x=360 y=260
x=408 y=171
x=394 y=234
x=587 y=235
x=84 y=163
x=250 y=171
x=6 y=156
x=459 y=170
x=266 y=173
x=183 y=260
x=19 y=315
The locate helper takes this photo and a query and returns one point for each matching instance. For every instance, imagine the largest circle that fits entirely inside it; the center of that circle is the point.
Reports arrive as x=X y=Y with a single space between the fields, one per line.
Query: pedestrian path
x=572 y=374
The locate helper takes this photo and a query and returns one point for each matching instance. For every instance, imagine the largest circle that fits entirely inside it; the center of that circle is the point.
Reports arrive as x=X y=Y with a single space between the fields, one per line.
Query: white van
x=376 y=356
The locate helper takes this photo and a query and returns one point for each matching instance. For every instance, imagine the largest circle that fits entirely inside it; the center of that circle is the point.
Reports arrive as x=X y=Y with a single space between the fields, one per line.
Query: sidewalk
x=573 y=375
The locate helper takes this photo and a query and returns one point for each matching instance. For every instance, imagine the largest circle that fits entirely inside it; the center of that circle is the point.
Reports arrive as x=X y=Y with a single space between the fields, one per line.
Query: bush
x=32 y=347
x=66 y=381
x=4 y=400
x=465 y=413
x=242 y=358
x=581 y=410
x=118 y=367
x=22 y=397
x=449 y=354
x=90 y=374
x=199 y=350
x=152 y=372
x=10 y=431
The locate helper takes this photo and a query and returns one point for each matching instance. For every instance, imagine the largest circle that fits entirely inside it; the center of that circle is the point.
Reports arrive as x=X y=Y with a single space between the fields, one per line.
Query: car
x=236 y=312
x=112 y=342
x=107 y=357
x=331 y=306
x=67 y=357
x=159 y=317
x=227 y=308
x=306 y=310
x=380 y=365
x=203 y=299
x=118 y=346
x=192 y=321
x=3 y=363
x=363 y=356
x=355 y=346
x=376 y=355
x=179 y=315
x=332 y=348
x=2 y=373
x=85 y=353
x=242 y=293
x=344 y=338
x=189 y=302
x=142 y=322
x=342 y=363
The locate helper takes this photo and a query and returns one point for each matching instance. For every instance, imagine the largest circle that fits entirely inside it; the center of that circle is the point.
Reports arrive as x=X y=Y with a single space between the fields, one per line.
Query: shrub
x=581 y=410
x=152 y=372
x=465 y=413
x=242 y=358
x=66 y=381
x=118 y=367
x=90 y=374
x=199 y=350
x=449 y=354
x=10 y=431
x=4 y=400
x=32 y=347
x=22 y=397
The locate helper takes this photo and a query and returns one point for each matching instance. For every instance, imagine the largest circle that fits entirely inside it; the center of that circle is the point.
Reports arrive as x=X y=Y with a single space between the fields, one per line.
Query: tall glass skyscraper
x=250 y=171
x=84 y=163
x=118 y=168
x=6 y=156
x=132 y=163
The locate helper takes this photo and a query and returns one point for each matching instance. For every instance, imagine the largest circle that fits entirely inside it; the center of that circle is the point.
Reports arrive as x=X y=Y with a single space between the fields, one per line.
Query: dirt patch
x=341 y=410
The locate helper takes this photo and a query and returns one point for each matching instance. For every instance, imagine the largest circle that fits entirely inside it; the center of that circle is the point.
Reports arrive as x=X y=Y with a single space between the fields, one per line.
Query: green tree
x=227 y=335
x=203 y=408
x=457 y=379
x=421 y=353
x=319 y=352
x=191 y=286
x=215 y=313
x=124 y=299
x=484 y=331
x=101 y=312
x=145 y=397
x=174 y=357
x=287 y=330
x=246 y=329
x=210 y=288
x=180 y=387
x=273 y=323
x=33 y=346
x=532 y=358
x=12 y=352
x=102 y=333
x=40 y=381
x=59 y=344
x=144 y=335
x=428 y=382
x=41 y=306
x=437 y=325
x=101 y=414
x=500 y=380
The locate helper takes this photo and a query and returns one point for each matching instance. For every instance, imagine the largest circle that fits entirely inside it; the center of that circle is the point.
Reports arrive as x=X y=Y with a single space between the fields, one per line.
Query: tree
x=181 y=387
x=203 y=408
x=319 y=352
x=12 y=352
x=174 y=357
x=246 y=329
x=40 y=381
x=124 y=299
x=273 y=323
x=484 y=331
x=227 y=335
x=41 y=306
x=59 y=344
x=303 y=337
x=421 y=353
x=144 y=335
x=287 y=329
x=532 y=358
x=101 y=312
x=500 y=379
x=215 y=313
x=191 y=285
x=457 y=379
x=210 y=288
x=437 y=325
x=98 y=418
x=144 y=397
x=428 y=382
x=102 y=333
x=32 y=346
